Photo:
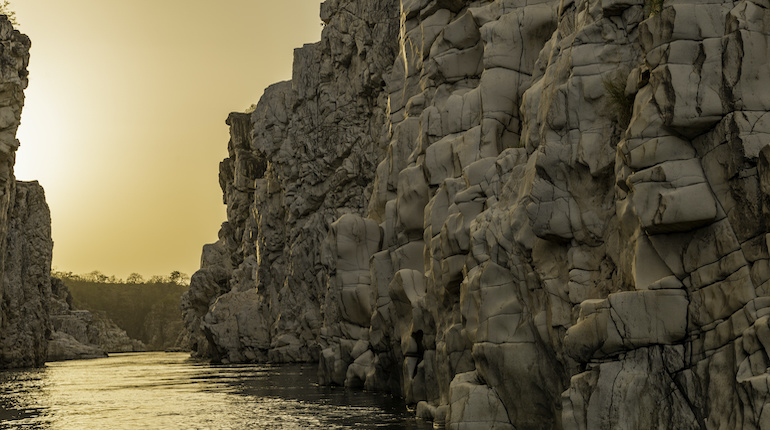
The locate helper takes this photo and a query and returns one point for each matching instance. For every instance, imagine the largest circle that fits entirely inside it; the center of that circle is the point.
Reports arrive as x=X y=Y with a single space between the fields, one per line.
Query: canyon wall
x=25 y=224
x=31 y=315
x=517 y=214
x=306 y=156
x=27 y=247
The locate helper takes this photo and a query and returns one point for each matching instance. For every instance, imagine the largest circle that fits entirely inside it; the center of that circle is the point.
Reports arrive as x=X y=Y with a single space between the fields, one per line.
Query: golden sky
x=124 y=120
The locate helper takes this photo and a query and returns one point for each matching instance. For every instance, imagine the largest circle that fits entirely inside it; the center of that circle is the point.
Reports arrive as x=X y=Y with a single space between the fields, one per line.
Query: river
x=170 y=391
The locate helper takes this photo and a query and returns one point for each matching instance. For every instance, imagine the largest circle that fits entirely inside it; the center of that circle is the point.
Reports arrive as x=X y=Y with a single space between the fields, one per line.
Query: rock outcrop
x=567 y=226
x=73 y=336
x=112 y=338
x=79 y=334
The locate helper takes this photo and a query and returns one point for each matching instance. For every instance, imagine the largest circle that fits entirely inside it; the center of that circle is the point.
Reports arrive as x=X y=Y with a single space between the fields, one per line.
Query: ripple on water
x=170 y=391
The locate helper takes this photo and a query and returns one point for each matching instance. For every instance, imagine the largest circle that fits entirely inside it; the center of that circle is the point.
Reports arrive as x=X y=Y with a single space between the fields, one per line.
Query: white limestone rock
x=113 y=338
x=236 y=325
x=473 y=405
x=626 y=321
x=304 y=157
x=612 y=394
x=514 y=214
x=63 y=346
x=25 y=224
x=352 y=241
x=79 y=334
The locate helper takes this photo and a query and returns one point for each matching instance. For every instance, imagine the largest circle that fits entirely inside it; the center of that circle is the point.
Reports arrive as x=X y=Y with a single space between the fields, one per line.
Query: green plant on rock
x=5 y=9
x=620 y=104
x=653 y=7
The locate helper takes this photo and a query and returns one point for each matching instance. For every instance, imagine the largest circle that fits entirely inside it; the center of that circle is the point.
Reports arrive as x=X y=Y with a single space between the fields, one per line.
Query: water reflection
x=23 y=396
x=157 y=390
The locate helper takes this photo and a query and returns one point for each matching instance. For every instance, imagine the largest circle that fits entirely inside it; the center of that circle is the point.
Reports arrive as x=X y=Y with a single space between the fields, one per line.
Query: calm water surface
x=169 y=391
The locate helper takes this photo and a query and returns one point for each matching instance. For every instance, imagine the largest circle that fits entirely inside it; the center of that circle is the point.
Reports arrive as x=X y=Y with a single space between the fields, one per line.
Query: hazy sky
x=124 y=121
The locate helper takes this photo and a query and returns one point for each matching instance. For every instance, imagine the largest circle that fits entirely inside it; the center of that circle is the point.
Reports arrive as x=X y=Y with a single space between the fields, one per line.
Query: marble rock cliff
x=36 y=321
x=25 y=324
x=517 y=214
x=25 y=224
x=306 y=156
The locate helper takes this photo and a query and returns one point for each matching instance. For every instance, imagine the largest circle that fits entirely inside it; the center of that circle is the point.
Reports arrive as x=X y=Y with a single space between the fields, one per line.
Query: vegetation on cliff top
x=5 y=9
x=175 y=277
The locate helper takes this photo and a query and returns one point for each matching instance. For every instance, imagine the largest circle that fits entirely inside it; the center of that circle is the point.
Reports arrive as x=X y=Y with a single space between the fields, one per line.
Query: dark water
x=169 y=391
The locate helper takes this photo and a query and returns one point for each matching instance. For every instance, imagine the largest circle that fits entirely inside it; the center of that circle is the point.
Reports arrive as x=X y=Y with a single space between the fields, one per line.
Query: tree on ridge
x=135 y=278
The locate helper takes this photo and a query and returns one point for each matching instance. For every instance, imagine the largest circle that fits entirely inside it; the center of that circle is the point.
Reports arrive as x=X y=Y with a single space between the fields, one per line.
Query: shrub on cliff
x=653 y=7
x=620 y=104
x=5 y=9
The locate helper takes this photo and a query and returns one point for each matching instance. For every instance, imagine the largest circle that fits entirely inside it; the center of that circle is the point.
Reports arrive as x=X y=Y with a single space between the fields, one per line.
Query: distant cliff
x=515 y=214
x=147 y=311
x=79 y=333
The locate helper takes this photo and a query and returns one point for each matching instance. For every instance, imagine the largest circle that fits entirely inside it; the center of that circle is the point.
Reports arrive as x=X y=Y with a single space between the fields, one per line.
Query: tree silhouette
x=179 y=278
x=97 y=276
x=135 y=278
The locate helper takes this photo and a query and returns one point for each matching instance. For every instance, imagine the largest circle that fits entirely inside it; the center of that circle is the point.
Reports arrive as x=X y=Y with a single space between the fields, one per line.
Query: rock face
x=36 y=320
x=566 y=228
x=26 y=287
x=306 y=156
x=112 y=338
x=73 y=336
x=25 y=224
x=79 y=334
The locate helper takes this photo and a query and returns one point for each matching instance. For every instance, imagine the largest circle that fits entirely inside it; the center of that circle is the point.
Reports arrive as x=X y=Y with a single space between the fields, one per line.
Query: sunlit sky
x=124 y=120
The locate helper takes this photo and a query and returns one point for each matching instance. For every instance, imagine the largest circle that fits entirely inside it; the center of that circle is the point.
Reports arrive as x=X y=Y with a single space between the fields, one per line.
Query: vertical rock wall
x=566 y=227
x=26 y=282
x=25 y=224
x=303 y=158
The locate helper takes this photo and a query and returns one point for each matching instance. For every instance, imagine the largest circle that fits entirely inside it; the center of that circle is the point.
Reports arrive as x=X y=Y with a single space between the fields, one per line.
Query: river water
x=170 y=391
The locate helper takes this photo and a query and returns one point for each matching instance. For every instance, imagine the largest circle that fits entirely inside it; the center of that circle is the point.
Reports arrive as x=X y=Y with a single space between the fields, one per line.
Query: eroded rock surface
x=566 y=228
